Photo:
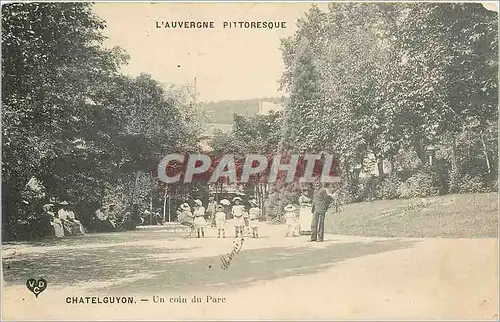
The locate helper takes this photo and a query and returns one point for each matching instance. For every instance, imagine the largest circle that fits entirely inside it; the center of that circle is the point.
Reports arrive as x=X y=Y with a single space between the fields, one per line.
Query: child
x=186 y=217
x=246 y=221
x=220 y=221
x=199 y=218
x=290 y=220
x=254 y=213
x=237 y=211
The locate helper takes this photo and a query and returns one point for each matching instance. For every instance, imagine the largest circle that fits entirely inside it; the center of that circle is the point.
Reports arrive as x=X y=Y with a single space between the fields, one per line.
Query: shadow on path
x=134 y=269
x=249 y=267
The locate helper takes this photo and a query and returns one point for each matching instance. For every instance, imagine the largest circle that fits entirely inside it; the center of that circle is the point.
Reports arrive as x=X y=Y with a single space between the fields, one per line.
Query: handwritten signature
x=226 y=259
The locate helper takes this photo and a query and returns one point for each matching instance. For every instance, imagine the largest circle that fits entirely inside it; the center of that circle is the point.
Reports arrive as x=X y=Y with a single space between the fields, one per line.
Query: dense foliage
x=72 y=125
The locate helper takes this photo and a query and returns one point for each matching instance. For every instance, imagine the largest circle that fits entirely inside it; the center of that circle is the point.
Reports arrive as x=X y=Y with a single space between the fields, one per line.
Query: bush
x=469 y=184
x=424 y=183
x=388 y=188
x=367 y=189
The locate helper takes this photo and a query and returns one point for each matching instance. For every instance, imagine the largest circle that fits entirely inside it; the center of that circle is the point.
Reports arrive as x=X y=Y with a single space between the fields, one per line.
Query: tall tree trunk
x=151 y=185
x=485 y=152
x=454 y=175
x=261 y=200
x=134 y=190
x=380 y=166
x=392 y=165
x=165 y=195
x=419 y=149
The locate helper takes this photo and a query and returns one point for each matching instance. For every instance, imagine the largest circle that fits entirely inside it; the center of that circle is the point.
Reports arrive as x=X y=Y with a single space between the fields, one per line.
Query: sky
x=229 y=64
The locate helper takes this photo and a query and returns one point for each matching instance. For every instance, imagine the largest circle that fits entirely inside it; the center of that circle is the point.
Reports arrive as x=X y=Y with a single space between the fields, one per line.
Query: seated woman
x=104 y=220
x=78 y=227
x=55 y=222
x=58 y=226
x=62 y=214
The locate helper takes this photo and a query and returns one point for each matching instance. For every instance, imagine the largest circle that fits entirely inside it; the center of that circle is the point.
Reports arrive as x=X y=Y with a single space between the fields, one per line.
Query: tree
x=53 y=67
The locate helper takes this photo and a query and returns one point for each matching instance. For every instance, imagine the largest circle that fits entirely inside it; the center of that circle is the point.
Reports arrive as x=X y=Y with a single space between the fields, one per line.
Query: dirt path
x=270 y=278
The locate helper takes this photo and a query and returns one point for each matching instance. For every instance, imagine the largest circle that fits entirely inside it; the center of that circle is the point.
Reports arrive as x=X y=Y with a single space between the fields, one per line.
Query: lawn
x=472 y=215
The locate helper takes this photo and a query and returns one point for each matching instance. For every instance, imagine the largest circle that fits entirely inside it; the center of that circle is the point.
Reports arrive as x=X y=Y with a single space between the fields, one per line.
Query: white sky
x=227 y=63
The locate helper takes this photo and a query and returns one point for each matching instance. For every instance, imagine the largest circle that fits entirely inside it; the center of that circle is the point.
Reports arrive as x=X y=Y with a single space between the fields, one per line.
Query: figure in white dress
x=58 y=226
x=199 y=218
x=72 y=218
x=254 y=214
x=185 y=216
x=290 y=220
x=211 y=209
x=62 y=214
x=220 y=221
x=238 y=211
x=55 y=222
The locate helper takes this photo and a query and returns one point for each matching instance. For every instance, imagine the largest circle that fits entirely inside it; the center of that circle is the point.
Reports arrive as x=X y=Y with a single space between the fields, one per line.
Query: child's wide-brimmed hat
x=184 y=206
x=220 y=207
x=198 y=202
x=253 y=202
x=290 y=207
x=237 y=199
x=211 y=198
x=64 y=203
x=47 y=206
x=225 y=202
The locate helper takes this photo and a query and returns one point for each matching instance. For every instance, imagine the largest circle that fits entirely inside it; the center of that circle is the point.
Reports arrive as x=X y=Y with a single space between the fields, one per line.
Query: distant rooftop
x=266 y=107
x=212 y=127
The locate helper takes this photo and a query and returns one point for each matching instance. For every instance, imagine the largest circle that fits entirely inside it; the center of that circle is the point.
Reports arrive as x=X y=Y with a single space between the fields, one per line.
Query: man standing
x=321 y=201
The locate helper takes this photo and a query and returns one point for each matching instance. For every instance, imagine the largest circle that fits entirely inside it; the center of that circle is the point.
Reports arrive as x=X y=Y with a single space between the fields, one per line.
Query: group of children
x=243 y=220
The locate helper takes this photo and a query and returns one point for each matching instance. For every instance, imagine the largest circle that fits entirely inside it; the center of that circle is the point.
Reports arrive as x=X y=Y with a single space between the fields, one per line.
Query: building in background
x=266 y=107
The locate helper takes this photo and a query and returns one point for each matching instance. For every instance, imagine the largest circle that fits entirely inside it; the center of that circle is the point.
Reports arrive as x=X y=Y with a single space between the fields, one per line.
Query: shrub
x=388 y=187
x=424 y=183
x=367 y=189
x=469 y=184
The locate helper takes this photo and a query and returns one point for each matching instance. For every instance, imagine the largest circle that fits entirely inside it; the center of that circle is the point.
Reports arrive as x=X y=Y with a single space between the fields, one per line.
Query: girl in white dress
x=199 y=218
x=290 y=220
x=72 y=217
x=58 y=226
x=54 y=221
x=238 y=211
x=220 y=221
x=254 y=214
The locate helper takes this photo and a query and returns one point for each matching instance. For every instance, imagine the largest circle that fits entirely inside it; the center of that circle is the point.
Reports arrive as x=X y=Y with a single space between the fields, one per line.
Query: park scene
x=398 y=101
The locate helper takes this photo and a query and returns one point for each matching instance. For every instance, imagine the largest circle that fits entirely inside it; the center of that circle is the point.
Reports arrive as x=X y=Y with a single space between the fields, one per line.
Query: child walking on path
x=199 y=218
x=254 y=214
x=238 y=211
x=220 y=221
x=290 y=220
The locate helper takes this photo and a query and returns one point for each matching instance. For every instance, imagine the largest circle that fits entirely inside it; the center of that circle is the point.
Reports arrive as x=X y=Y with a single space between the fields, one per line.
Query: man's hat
x=211 y=198
x=185 y=206
x=64 y=203
x=198 y=202
x=225 y=202
x=290 y=207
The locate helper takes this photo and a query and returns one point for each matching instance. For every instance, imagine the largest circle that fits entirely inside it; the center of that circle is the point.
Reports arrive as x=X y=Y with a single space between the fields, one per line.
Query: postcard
x=249 y=160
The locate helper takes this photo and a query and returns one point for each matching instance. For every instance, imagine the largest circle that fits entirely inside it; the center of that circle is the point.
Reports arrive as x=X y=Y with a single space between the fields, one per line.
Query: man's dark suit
x=321 y=202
